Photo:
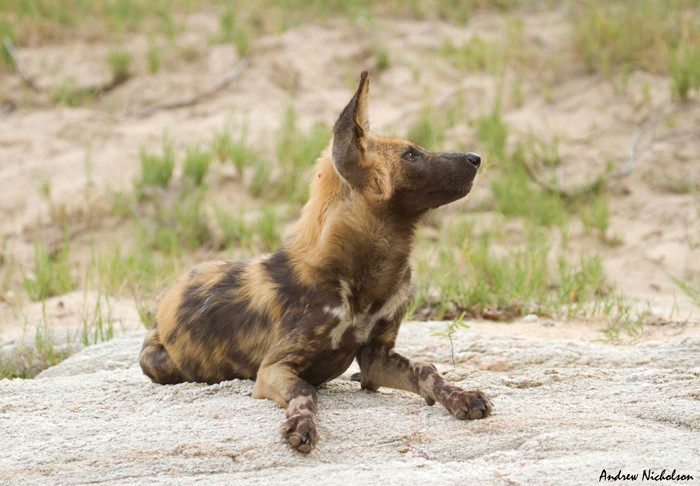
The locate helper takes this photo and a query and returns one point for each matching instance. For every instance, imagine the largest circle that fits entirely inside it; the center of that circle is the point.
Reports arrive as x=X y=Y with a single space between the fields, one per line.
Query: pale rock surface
x=565 y=410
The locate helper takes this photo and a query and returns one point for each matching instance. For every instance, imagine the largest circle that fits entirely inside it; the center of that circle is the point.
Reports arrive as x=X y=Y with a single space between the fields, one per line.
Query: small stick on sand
x=7 y=108
x=606 y=177
x=193 y=99
x=12 y=51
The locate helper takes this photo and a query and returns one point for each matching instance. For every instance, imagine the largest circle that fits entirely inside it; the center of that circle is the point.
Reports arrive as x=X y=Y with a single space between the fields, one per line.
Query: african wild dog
x=335 y=291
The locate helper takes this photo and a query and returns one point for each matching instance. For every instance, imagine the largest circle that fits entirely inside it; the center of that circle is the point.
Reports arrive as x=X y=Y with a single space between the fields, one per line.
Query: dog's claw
x=469 y=405
x=300 y=432
x=475 y=414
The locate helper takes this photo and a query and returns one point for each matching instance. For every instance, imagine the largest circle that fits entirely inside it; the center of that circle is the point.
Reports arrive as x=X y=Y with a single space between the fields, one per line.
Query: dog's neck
x=340 y=238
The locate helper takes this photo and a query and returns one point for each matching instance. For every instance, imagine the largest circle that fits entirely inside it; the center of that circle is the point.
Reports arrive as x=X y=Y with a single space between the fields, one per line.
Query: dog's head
x=396 y=173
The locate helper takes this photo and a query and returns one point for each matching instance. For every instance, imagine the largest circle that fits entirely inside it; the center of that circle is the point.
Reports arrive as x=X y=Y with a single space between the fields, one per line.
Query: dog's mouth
x=462 y=191
x=440 y=197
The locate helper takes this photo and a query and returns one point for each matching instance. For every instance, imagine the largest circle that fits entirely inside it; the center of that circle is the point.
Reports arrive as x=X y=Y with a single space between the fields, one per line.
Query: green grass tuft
x=614 y=36
x=381 y=57
x=225 y=147
x=451 y=328
x=474 y=55
x=595 y=216
x=6 y=31
x=297 y=150
x=479 y=271
x=157 y=170
x=267 y=228
x=492 y=132
x=689 y=289
x=427 y=130
x=96 y=327
x=516 y=196
x=685 y=71
x=68 y=93
x=197 y=161
x=51 y=275
x=234 y=228
x=154 y=57
x=230 y=31
x=177 y=226
x=119 y=62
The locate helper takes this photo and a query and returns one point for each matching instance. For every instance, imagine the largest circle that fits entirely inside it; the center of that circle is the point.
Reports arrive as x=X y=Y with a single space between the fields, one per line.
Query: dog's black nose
x=474 y=159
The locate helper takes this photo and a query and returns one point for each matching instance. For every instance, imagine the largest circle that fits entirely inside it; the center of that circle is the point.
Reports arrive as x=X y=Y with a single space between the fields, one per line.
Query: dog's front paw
x=300 y=432
x=463 y=404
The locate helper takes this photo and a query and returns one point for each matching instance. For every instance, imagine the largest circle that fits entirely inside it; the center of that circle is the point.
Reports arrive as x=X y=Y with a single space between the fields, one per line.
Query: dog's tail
x=156 y=363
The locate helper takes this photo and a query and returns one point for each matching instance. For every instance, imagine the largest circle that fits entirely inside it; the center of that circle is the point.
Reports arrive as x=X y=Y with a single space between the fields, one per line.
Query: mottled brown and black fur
x=335 y=291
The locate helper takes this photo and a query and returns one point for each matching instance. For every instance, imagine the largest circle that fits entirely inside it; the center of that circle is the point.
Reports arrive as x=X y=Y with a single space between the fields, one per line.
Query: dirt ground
x=87 y=152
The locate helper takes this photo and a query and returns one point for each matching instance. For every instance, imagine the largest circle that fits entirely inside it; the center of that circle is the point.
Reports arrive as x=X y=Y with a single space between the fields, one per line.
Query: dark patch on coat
x=291 y=292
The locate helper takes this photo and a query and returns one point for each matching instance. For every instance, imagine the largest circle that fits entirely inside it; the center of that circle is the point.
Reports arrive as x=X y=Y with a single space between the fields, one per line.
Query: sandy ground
x=86 y=153
x=565 y=411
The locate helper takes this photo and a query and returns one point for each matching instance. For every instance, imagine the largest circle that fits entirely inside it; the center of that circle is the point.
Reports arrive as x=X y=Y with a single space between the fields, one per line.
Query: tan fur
x=335 y=291
x=259 y=291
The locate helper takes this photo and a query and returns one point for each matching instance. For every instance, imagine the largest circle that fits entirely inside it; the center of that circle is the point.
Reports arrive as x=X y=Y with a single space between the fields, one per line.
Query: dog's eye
x=410 y=154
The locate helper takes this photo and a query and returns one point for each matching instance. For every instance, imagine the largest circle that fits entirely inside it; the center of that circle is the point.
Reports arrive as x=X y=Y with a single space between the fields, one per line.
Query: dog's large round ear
x=349 y=135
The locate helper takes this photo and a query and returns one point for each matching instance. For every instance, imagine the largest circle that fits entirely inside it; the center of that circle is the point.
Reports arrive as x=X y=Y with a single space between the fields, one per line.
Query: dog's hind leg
x=279 y=383
x=156 y=363
x=381 y=366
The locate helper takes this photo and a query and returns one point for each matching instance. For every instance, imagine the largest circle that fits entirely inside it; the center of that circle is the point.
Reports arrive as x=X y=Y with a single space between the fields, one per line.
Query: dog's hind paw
x=355 y=377
x=300 y=432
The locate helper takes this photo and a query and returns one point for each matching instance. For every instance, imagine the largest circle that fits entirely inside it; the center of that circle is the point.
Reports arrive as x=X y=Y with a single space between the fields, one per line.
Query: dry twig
x=96 y=91
x=7 y=108
x=194 y=98
x=606 y=177
x=12 y=51
x=100 y=91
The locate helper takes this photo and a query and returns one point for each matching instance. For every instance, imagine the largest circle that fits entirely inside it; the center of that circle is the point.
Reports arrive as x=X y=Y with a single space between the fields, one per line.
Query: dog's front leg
x=279 y=383
x=381 y=366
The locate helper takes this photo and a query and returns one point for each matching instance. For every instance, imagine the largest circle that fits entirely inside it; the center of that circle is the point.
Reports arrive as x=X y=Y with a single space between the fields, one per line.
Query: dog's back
x=207 y=328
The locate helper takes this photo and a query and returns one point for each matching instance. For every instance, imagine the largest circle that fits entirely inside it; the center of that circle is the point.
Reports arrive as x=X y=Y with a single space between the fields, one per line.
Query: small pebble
x=530 y=318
